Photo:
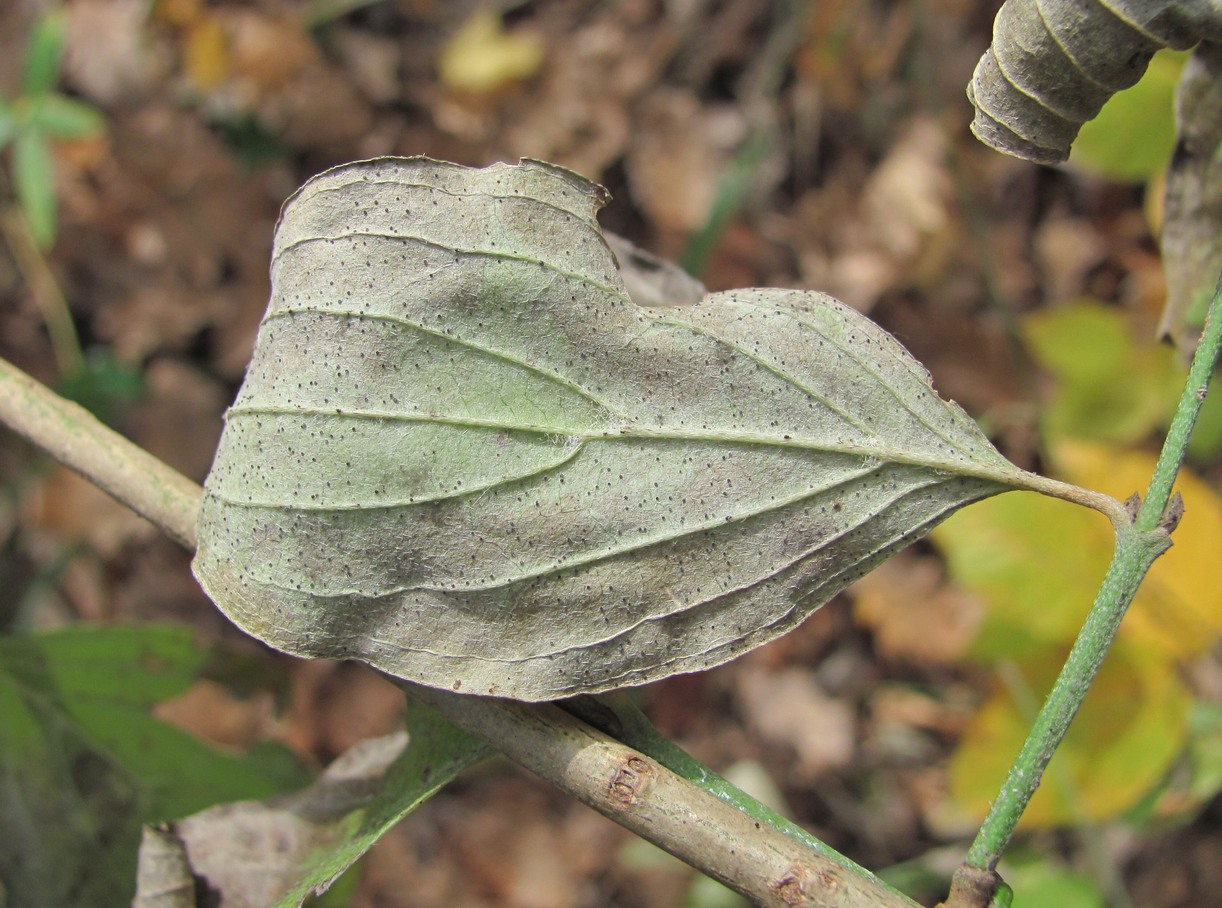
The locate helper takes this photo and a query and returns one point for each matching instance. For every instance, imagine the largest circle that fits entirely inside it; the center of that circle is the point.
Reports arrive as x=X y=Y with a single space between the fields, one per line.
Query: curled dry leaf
x=1053 y=64
x=463 y=454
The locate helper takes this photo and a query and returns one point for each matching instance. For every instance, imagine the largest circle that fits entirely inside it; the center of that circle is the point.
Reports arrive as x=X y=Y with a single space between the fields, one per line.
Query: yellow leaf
x=1034 y=562
x=206 y=57
x=1132 y=725
x=1178 y=610
x=1037 y=563
x=180 y=13
x=482 y=57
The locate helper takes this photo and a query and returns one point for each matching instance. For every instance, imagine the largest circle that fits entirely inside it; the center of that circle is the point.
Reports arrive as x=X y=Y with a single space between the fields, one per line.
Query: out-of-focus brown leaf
x=680 y=156
x=108 y=56
x=247 y=61
x=178 y=420
x=915 y=612
x=372 y=62
x=211 y=712
x=579 y=110
x=787 y=709
x=77 y=510
x=898 y=231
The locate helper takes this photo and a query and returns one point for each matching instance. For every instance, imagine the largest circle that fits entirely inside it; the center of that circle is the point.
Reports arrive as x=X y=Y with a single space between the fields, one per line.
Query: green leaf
x=67 y=817
x=83 y=764
x=42 y=54
x=990 y=551
x=1040 y=882
x=463 y=454
x=254 y=144
x=34 y=176
x=9 y=123
x=126 y=666
x=1205 y=751
x=1134 y=134
x=1111 y=387
x=104 y=385
x=279 y=852
x=1114 y=382
x=60 y=117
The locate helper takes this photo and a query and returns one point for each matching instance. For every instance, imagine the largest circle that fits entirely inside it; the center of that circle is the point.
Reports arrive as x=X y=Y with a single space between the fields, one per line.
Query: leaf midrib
x=1004 y=472
x=457 y=251
x=631 y=431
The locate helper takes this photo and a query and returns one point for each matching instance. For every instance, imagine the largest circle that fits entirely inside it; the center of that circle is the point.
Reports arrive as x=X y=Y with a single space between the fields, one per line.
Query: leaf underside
x=462 y=454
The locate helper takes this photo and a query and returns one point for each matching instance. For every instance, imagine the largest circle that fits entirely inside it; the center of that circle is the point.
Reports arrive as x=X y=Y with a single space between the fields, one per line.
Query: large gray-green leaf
x=1053 y=64
x=464 y=455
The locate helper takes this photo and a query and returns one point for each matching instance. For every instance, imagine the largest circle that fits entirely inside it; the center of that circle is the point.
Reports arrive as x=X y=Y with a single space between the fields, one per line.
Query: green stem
x=731 y=195
x=1204 y=360
x=45 y=290
x=1137 y=546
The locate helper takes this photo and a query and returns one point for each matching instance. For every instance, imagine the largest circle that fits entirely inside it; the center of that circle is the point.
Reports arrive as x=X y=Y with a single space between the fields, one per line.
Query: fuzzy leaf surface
x=463 y=454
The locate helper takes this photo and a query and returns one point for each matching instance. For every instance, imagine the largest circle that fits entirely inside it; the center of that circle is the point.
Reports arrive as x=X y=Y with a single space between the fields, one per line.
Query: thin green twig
x=1137 y=546
x=45 y=290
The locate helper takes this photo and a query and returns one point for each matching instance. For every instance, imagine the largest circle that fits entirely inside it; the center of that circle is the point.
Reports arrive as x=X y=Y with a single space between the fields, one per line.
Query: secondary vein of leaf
x=344 y=187
x=614 y=552
x=833 y=580
x=607 y=552
x=641 y=431
x=698 y=603
x=774 y=368
x=458 y=341
x=880 y=379
x=653 y=315
x=486 y=253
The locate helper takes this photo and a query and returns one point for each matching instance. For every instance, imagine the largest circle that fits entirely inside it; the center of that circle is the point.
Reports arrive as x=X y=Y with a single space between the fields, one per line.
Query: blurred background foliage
x=145 y=147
